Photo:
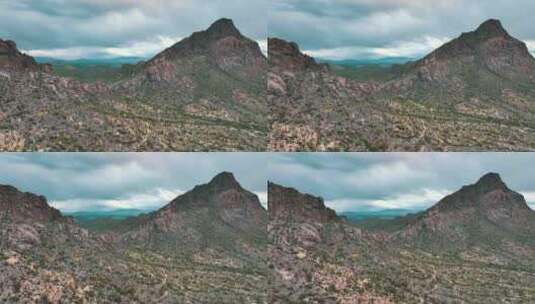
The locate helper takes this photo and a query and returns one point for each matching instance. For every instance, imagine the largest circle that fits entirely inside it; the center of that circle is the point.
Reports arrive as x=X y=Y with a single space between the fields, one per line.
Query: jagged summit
x=220 y=210
x=223 y=27
x=487 y=209
x=288 y=204
x=24 y=206
x=12 y=59
x=489 y=53
x=491 y=181
x=491 y=28
x=287 y=55
x=204 y=40
x=220 y=47
x=225 y=180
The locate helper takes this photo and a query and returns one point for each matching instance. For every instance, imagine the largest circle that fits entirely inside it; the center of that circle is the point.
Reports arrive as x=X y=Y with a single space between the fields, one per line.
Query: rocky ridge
x=474 y=93
x=426 y=260
x=204 y=93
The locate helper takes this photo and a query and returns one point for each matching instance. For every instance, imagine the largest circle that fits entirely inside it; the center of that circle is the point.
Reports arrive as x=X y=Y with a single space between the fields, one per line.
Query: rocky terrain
x=206 y=246
x=474 y=246
x=474 y=93
x=207 y=92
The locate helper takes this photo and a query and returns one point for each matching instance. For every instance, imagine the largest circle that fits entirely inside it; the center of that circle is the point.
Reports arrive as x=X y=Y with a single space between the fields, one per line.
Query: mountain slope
x=216 y=73
x=219 y=215
x=475 y=93
x=480 y=64
x=206 y=92
x=319 y=261
x=486 y=213
x=206 y=246
x=308 y=250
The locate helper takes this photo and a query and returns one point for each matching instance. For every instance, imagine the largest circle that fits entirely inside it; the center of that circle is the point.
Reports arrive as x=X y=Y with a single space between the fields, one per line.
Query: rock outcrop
x=288 y=204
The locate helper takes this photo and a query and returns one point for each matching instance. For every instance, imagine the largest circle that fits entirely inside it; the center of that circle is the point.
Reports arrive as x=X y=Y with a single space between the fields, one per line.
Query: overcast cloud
x=347 y=181
x=110 y=28
x=101 y=181
x=343 y=29
x=376 y=181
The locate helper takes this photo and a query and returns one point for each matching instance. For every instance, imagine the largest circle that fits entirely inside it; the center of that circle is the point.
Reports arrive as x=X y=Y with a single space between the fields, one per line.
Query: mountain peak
x=491 y=28
x=12 y=59
x=288 y=204
x=223 y=27
x=225 y=180
x=23 y=206
x=491 y=181
x=287 y=55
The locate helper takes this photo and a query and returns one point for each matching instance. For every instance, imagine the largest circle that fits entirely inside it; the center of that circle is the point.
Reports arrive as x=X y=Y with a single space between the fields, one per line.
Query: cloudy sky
x=102 y=181
x=376 y=181
x=109 y=28
x=347 y=181
x=342 y=29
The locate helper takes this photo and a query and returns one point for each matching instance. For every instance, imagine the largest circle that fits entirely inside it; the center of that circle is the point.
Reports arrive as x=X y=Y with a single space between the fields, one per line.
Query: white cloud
x=263 y=197
x=263 y=46
x=411 y=49
x=143 y=49
x=531 y=46
x=418 y=200
x=530 y=198
x=149 y=200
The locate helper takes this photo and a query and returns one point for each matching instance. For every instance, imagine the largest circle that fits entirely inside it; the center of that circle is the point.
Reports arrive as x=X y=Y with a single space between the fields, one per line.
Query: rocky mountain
x=489 y=49
x=18 y=206
x=472 y=246
x=12 y=60
x=219 y=214
x=207 y=92
x=287 y=55
x=287 y=204
x=206 y=246
x=473 y=93
x=480 y=64
x=306 y=243
x=485 y=213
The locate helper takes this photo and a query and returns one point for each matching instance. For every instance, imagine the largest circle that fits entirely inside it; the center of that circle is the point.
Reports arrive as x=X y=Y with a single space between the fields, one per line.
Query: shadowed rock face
x=489 y=47
x=224 y=46
x=13 y=60
x=287 y=204
x=477 y=213
x=221 y=211
x=472 y=87
x=16 y=206
x=287 y=56
x=47 y=258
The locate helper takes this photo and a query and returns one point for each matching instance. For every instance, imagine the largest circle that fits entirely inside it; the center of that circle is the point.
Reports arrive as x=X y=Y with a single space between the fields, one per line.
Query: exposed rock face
x=306 y=241
x=207 y=92
x=286 y=55
x=475 y=93
x=18 y=206
x=13 y=60
x=489 y=47
x=46 y=258
x=486 y=210
x=287 y=204
x=221 y=44
x=220 y=210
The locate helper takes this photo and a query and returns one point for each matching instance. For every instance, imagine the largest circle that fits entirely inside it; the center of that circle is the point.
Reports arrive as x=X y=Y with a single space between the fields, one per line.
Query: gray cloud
x=98 y=180
x=353 y=181
x=365 y=28
x=347 y=181
x=58 y=24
